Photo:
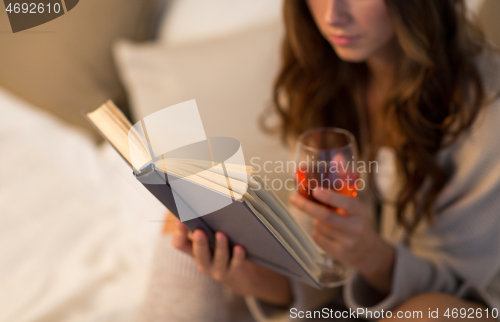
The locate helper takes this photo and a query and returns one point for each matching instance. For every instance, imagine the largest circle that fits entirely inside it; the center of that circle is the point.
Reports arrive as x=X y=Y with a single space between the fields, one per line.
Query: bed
x=77 y=232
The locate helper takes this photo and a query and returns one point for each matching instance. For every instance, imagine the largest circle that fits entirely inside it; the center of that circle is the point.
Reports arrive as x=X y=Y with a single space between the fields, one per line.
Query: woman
x=413 y=81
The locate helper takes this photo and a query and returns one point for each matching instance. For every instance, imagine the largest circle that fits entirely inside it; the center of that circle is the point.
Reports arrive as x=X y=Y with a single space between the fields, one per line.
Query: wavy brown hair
x=437 y=96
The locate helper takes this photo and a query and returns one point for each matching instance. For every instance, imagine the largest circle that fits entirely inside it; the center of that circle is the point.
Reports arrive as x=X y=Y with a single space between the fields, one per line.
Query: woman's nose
x=338 y=12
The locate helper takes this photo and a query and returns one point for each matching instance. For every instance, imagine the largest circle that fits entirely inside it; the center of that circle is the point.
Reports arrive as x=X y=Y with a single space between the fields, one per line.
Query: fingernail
x=198 y=236
x=220 y=237
x=293 y=198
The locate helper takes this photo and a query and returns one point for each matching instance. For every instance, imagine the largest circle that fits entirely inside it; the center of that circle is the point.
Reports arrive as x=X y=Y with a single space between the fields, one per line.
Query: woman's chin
x=351 y=56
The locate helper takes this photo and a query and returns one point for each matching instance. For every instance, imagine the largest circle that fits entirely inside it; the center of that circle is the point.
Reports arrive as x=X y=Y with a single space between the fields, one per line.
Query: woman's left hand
x=343 y=227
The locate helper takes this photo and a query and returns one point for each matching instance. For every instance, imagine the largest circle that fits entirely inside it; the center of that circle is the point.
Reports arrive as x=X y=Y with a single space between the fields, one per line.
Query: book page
x=114 y=126
x=280 y=210
x=282 y=229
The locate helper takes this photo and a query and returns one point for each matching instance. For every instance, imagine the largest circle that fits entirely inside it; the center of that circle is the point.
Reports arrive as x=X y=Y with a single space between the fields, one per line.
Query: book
x=252 y=215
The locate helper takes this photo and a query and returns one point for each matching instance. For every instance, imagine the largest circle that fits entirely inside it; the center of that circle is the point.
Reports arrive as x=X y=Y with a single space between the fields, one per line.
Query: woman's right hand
x=242 y=276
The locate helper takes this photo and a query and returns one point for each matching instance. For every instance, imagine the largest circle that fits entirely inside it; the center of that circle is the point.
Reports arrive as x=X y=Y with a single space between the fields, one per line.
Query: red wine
x=312 y=176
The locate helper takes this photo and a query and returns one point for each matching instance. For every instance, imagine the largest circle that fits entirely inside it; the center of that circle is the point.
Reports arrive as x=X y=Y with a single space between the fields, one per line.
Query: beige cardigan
x=459 y=255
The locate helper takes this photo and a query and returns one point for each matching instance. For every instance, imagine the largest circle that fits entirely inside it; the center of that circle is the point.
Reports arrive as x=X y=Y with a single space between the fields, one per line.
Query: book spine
x=157 y=184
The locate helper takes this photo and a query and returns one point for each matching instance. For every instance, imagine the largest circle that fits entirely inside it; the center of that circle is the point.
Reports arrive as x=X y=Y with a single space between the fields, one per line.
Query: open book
x=254 y=217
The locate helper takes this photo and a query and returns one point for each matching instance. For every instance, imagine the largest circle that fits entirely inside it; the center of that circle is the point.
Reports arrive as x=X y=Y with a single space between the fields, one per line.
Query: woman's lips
x=343 y=40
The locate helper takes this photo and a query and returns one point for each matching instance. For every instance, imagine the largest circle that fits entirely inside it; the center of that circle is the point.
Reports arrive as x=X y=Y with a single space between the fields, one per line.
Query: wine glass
x=326 y=157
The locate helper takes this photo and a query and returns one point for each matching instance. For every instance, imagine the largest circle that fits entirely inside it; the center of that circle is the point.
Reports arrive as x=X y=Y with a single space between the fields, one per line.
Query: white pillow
x=195 y=20
x=231 y=79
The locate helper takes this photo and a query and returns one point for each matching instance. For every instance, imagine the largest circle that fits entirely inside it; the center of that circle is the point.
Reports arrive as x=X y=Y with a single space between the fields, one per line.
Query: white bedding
x=76 y=229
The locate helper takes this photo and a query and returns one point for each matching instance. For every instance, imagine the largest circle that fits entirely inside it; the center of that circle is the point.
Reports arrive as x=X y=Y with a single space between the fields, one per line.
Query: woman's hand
x=242 y=276
x=349 y=235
